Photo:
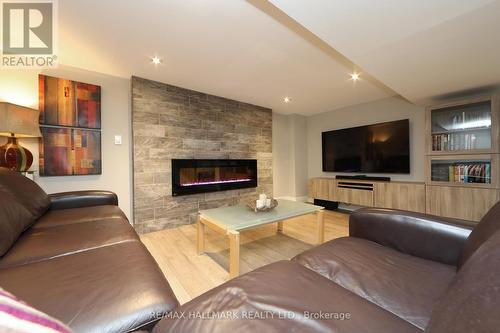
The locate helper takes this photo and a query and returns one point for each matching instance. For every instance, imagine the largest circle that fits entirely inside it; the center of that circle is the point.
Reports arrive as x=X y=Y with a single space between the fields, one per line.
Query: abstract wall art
x=70 y=122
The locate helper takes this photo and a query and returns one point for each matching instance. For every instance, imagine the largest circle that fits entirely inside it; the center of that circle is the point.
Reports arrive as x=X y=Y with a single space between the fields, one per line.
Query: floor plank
x=191 y=274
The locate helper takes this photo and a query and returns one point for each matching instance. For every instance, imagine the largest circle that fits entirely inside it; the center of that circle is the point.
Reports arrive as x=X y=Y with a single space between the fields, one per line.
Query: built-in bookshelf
x=462 y=167
x=462 y=143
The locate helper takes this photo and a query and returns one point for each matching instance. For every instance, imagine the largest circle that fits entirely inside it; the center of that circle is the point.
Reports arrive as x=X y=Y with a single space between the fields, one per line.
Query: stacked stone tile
x=171 y=122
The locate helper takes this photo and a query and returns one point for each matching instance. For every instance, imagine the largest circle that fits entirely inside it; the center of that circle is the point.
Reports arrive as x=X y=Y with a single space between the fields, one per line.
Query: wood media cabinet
x=394 y=194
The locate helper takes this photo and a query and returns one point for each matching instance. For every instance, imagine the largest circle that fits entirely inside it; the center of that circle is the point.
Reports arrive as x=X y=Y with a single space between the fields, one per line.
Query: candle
x=268 y=203
x=260 y=203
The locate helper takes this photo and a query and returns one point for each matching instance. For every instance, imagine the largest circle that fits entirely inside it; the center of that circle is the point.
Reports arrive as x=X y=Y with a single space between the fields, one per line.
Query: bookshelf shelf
x=467 y=130
x=478 y=170
x=460 y=152
x=458 y=185
x=463 y=172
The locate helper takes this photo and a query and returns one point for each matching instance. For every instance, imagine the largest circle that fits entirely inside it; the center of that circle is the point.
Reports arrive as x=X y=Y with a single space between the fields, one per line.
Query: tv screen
x=377 y=148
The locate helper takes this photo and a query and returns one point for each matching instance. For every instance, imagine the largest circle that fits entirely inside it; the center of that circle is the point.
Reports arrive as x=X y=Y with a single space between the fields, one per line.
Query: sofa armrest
x=78 y=199
x=426 y=236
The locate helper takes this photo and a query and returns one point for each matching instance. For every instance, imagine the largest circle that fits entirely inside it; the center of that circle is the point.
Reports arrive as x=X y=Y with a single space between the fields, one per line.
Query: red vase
x=14 y=156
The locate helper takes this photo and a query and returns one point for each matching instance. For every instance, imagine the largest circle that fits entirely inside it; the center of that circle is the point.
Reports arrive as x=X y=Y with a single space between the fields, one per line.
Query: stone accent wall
x=171 y=122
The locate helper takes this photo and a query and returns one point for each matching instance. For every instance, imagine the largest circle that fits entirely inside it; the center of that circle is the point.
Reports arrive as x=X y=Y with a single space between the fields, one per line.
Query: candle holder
x=252 y=204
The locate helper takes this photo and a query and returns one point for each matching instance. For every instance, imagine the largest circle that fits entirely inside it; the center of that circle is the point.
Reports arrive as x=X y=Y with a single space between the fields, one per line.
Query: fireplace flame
x=217 y=182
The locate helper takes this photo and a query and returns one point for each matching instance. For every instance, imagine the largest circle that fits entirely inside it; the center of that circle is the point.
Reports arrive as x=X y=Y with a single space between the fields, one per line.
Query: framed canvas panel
x=69 y=103
x=70 y=119
x=70 y=151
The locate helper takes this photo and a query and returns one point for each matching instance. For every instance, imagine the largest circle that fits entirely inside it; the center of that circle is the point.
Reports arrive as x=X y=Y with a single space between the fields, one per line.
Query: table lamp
x=17 y=122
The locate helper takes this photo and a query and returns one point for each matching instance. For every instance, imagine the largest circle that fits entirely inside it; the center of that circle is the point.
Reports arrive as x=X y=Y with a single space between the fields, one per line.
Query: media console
x=369 y=193
x=469 y=203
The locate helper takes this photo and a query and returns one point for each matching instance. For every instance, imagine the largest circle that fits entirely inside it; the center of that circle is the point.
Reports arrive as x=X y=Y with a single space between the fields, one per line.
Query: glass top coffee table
x=229 y=221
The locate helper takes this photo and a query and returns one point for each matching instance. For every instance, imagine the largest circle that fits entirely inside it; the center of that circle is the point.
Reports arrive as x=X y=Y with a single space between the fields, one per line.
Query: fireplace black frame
x=178 y=164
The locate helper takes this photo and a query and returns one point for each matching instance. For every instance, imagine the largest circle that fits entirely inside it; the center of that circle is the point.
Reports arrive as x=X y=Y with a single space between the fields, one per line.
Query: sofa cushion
x=488 y=225
x=46 y=243
x=78 y=215
x=471 y=303
x=14 y=218
x=402 y=284
x=18 y=317
x=25 y=191
x=281 y=297
x=116 y=288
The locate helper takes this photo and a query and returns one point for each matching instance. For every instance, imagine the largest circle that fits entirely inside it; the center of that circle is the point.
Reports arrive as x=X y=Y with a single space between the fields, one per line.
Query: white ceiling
x=422 y=49
x=245 y=50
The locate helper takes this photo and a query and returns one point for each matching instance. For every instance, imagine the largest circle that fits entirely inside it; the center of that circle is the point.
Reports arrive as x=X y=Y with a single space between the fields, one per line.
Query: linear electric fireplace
x=198 y=176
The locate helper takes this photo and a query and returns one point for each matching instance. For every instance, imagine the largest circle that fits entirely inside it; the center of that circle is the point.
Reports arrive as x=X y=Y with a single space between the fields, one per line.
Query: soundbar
x=364 y=177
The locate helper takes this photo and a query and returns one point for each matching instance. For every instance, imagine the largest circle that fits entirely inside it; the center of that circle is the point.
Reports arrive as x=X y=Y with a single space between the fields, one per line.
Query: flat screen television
x=377 y=148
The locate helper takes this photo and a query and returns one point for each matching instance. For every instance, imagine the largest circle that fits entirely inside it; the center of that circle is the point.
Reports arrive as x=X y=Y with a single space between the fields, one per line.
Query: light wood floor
x=191 y=274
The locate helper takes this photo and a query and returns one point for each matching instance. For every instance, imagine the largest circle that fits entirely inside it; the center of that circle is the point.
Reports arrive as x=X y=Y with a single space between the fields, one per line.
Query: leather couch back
x=22 y=202
x=485 y=229
x=472 y=301
x=25 y=191
x=14 y=219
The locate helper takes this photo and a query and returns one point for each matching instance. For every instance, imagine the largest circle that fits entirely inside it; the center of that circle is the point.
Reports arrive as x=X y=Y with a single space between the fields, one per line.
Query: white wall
x=290 y=156
x=21 y=87
x=299 y=155
x=388 y=109
x=282 y=172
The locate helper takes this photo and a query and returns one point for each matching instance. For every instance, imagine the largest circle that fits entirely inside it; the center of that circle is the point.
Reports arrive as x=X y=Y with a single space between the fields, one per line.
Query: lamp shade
x=18 y=120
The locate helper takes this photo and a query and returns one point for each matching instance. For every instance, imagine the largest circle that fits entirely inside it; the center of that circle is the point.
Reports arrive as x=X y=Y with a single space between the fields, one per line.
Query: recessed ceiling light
x=355 y=76
x=287 y=99
x=156 y=60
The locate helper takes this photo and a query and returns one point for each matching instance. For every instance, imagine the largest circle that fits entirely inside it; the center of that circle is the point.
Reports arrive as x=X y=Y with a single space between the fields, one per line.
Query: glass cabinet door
x=463 y=127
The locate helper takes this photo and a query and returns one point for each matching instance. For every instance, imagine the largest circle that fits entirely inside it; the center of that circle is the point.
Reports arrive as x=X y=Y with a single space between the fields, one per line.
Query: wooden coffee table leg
x=280 y=227
x=320 y=231
x=234 y=254
x=201 y=236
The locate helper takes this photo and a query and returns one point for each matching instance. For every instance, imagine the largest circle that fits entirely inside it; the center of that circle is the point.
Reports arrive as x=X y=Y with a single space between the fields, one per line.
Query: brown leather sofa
x=398 y=272
x=76 y=257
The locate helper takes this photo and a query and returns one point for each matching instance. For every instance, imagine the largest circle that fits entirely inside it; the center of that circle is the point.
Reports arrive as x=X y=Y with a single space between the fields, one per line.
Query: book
x=467 y=173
